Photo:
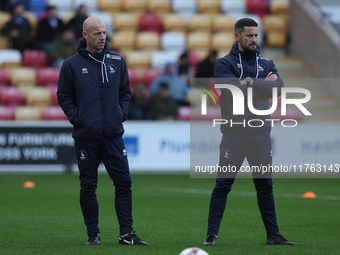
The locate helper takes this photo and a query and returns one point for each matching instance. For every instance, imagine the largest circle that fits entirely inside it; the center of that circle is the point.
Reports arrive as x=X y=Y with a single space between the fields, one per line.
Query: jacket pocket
x=120 y=112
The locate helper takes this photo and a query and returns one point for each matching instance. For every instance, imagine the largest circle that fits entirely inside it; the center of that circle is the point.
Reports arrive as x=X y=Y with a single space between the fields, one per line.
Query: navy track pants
x=113 y=155
x=234 y=148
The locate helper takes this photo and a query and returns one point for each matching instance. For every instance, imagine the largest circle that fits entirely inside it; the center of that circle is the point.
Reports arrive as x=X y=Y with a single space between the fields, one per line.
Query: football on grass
x=193 y=251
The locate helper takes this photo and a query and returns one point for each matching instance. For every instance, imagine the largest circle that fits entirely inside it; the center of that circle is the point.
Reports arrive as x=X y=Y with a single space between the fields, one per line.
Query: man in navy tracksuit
x=94 y=92
x=243 y=67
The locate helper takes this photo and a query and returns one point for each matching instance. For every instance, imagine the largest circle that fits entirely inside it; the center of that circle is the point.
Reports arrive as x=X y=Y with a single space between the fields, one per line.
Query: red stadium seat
x=35 y=58
x=12 y=96
x=133 y=76
x=48 y=76
x=53 y=91
x=53 y=113
x=184 y=113
x=149 y=75
x=7 y=113
x=4 y=78
x=194 y=61
x=151 y=23
x=258 y=7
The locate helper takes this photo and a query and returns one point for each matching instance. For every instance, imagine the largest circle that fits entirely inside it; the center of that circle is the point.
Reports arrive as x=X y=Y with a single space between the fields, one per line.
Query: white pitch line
x=244 y=194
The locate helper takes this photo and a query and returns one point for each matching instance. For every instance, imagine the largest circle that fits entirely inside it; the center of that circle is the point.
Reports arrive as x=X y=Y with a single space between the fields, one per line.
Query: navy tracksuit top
x=239 y=65
x=94 y=92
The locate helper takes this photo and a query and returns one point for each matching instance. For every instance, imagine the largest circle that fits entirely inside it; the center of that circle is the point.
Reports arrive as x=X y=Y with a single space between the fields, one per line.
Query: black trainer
x=94 y=239
x=211 y=240
x=279 y=240
x=131 y=239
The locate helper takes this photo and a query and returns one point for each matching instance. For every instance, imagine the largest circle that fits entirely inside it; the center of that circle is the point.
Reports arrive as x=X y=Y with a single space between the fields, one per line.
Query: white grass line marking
x=243 y=194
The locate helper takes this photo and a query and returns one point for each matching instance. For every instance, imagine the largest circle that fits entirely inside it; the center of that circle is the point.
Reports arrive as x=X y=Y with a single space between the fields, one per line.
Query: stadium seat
x=53 y=113
x=276 y=39
x=258 y=7
x=126 y=21
x=38 y=96
x=23 y=77
x=209 y=6
x=10 y=58
x=53 y=94
x=184 y=113
x=223 y=24
x=138 y=59
x=233 y=6
x=12 y=97
x=148 y=41
x=223 y=42
x=173 y=41
x=32 y=18
x=35 y=58
x=5 y=80
x=37 y=7
x=48 y=76
x=175 y=23
x=279 y=6
x=159 y=6
x=4 y=42
x=138 y=6
x=151 y=22
x=194 y=59
x=27 y=113
x=123 y=40
x=133 y=77
x=107 y=18
x=187 y=6
x=62 y=5
x=274 y=22
x=275 y=29
x=200 y=23
x=92 y=5
x=160 y=58
x=199 y=41
x=4 y=18
x=149 y=75
x=7 y=113
x=110 y=6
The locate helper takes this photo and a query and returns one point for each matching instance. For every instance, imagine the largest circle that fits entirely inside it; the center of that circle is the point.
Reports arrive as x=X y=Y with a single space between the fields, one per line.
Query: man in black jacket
x=94 y=92
x=244 y=68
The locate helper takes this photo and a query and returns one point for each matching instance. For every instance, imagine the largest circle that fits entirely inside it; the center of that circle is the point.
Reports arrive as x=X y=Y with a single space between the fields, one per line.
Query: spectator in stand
x=63 y=46
x=164 y=107
x=76 y=23
x=19 y=30
x=48 y=28
x=177 y=88
x=207 y=66
x=139 y=105
x=185 y=70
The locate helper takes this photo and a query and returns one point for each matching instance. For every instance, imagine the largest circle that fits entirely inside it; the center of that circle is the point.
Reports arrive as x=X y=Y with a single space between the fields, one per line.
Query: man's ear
x=237 y=36
x=84 y=34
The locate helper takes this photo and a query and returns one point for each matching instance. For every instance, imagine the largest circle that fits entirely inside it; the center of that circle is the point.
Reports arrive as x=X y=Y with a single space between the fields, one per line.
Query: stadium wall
x=319 y=42
x=160 y=146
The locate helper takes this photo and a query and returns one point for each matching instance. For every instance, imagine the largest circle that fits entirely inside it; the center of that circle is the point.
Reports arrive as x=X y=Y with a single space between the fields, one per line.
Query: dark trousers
x=234 y=149
x=113 y=154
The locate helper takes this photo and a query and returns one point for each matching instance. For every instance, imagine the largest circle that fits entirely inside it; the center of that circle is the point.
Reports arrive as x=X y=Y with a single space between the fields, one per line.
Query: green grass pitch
x=170 y=212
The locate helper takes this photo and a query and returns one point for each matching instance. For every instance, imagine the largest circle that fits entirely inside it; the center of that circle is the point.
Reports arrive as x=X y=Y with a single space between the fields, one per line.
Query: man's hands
x=271 y=77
